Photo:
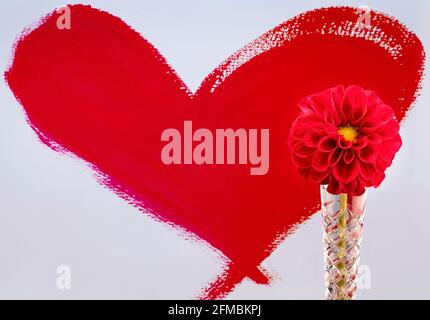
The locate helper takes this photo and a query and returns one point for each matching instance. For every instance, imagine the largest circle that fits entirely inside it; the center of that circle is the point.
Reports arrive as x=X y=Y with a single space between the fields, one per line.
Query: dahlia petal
x=368 y=153
x=326 y=180
x=346 y=113
x=320 y=161
x=331 y=131
x=305 y=106
x=379 y=117
x=357 y=101
x=303 y=151
x=319 y=177
x=389 y=148
x=311 y=139
x=334 y=187
x=369 y=125
x=312 y=175
x=323 y=105
x=334 y=157
x=326 y=144
x=377 y=178
x=345 y=173
x=343 y=144
x=297 y=132
x=385 y=113
x=359 y=190
x=338 y=97
x=373 y=104
x=360 y=143
x=348 y=156
x=305 y=172
x=382 y=164
x=367 y=170
x=312 y=120
x=354 y=188
x=374 y=138
x=302 y=162
x=372 y=101
x=317 y=128
x=396 y=143
x=350 y=188
x=389 y=130
x=295 y=143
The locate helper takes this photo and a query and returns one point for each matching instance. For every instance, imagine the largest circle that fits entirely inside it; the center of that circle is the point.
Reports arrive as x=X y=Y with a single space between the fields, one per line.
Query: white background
x=53 y=212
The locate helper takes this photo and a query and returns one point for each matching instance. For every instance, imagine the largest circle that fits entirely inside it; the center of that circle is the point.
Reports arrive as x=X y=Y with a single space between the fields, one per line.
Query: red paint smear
x=103 y=93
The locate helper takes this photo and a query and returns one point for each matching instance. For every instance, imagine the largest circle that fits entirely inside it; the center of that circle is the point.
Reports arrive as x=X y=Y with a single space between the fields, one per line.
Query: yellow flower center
x=348 y=132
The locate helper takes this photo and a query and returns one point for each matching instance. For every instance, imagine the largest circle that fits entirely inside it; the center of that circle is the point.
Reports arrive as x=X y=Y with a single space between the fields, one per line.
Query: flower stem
x=343 y=207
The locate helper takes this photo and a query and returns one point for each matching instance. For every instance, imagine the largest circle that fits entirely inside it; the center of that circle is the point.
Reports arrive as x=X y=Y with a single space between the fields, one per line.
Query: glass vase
x=343 y=229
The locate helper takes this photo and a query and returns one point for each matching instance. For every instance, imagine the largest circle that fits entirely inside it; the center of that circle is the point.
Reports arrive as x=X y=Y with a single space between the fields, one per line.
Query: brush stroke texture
x=101 y=92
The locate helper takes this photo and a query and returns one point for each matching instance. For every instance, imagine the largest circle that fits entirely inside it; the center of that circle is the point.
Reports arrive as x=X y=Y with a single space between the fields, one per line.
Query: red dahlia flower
x=344 y=138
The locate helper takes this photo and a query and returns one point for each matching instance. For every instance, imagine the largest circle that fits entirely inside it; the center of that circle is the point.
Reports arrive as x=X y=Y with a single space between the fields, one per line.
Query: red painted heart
x=103 y=93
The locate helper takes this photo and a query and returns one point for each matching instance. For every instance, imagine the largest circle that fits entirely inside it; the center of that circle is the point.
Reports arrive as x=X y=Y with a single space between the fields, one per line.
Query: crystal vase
x=343 y=229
